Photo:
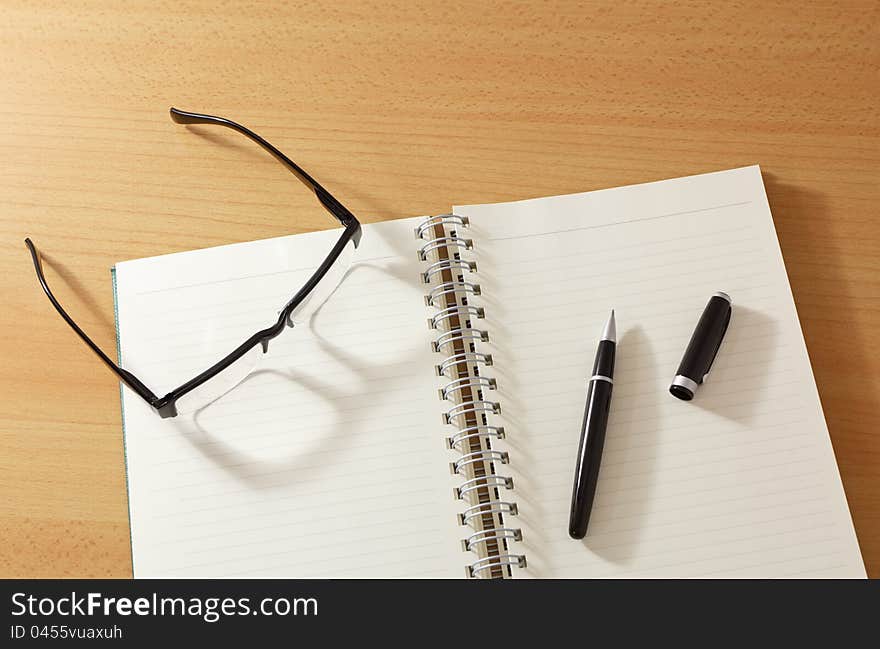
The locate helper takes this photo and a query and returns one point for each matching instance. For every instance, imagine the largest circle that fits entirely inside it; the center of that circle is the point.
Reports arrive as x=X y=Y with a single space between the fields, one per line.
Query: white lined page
x=742 y=480
x=329 y=460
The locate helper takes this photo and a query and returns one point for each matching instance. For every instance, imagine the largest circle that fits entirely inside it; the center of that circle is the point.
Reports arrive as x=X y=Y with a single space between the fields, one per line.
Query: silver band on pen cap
x=685 y=382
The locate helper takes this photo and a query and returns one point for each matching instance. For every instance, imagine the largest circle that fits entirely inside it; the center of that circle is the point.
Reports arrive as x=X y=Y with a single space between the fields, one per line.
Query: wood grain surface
x=400 y=109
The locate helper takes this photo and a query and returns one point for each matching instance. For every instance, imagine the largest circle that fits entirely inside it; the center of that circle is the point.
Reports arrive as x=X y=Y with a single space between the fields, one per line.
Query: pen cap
x=702 y=348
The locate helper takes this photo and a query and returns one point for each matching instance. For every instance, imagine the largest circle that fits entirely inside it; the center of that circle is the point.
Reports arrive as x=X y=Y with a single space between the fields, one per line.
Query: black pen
x=586 y=472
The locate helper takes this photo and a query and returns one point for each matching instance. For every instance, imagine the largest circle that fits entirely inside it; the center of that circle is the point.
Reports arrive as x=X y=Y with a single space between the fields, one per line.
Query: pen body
x=592 y=440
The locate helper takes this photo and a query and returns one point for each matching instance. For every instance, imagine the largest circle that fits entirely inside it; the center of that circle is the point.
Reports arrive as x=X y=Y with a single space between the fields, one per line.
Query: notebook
x=425 y=422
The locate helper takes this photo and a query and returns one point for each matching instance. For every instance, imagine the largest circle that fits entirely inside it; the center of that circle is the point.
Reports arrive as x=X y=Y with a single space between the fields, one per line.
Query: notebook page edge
x=122 y=417
x=619 y=188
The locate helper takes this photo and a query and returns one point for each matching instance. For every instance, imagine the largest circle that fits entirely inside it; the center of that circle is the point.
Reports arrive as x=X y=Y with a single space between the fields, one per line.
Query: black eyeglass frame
x=167 y=406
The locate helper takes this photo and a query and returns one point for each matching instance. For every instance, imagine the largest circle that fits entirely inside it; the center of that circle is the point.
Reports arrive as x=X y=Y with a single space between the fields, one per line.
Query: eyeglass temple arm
x=337 y=209
x=127 y=377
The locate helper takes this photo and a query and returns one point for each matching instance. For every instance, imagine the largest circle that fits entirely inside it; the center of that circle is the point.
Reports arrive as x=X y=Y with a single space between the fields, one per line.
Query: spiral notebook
x=425 y=423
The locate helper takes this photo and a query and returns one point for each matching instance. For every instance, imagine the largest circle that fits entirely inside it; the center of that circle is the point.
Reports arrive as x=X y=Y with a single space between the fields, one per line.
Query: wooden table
x=400 y=110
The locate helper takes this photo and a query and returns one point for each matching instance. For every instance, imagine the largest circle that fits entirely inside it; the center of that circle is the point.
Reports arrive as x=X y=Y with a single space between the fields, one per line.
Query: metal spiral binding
x=478 y=456
x=444 y=242
x=481 y=482
x=491 y=507
x=450 y=338
x=451 y=362
x=447 y=264
x=485 y=536
x=473 y=432
x=465 y=383
x=496 y=561
x=466 y=311
x=452 y=290
x=444 y=219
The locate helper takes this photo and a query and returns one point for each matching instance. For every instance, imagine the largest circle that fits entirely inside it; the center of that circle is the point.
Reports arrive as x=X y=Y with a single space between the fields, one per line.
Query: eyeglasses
x=233 y=368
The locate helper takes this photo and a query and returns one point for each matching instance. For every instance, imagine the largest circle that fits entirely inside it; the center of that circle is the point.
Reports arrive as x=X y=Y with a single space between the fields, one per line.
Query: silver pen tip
x=610 y=332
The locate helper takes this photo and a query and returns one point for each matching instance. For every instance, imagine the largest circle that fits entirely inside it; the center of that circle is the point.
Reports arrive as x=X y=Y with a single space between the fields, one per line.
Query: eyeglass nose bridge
x=167 y=410
x=273 y=331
